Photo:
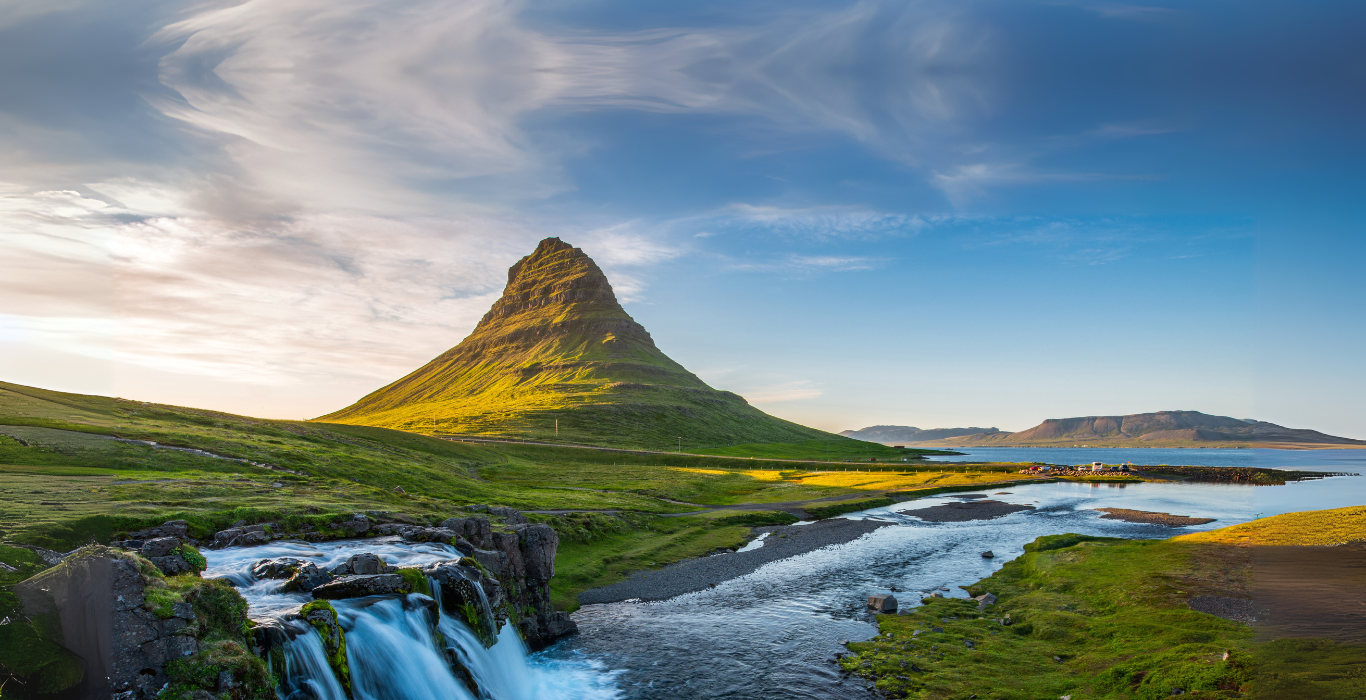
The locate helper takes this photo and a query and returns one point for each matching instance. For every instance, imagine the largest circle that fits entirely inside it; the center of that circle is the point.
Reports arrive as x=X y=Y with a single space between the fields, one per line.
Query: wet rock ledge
x=136 y=621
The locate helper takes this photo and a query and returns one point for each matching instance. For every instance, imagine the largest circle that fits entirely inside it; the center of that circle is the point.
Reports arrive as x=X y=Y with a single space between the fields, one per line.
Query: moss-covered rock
x=323 y=617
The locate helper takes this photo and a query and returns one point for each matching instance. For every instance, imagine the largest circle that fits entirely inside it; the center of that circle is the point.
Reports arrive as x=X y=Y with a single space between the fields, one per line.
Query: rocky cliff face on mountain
x=558 y=358
x=1164 y=428
x=907 y=435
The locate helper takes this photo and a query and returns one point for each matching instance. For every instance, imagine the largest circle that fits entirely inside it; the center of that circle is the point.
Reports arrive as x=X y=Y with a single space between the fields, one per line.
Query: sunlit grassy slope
x=558 y=359
x=1314 y=528
x=65 y=478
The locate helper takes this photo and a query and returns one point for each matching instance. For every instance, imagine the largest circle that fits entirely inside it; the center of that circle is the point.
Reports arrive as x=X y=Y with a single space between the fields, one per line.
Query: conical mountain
x=558 y=357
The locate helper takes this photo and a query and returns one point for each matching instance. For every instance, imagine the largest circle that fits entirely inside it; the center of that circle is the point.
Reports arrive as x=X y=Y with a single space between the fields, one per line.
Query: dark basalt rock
x=283 y=567
x=366 y=563
x=478 y=531
x=362 y=585
x=178 y=529
x=172 y=564
x=95 y=599
x=538 y=544
x=248 y=536
x=308 y=577
x=159 y=547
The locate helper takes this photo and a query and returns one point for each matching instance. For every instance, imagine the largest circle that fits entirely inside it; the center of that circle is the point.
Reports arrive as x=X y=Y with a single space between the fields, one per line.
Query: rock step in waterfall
x=476 y=599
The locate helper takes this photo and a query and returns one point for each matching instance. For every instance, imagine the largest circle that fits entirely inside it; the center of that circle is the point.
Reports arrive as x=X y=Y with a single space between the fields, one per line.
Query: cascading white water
x=306 y=673
x=390 y=649
x=392 y=655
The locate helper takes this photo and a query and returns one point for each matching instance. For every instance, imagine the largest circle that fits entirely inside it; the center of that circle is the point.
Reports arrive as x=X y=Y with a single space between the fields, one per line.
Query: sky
x=937 y=214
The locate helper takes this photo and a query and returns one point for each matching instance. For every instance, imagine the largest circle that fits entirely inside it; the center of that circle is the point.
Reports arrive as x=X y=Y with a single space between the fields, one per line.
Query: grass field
x=68 y=480
x=1311 y=528
x=834 y=450
x=1107 y=618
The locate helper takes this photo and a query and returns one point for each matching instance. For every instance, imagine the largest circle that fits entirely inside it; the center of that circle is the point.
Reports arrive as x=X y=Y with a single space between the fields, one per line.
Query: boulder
x=172 y=564
x=537 y=544
x=179 y=529
x=356 y=524
x=987 y=554
x=283 y=567
x=984 y=600
x=361 y=585
x=159 y=547
x=95 y=602
x=478 y=531
x=366 y=563
x=885 y=603
x=308 y=577
x=249 y=536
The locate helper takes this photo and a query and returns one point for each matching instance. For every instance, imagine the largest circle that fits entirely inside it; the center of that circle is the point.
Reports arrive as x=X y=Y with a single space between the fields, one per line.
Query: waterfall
x=393 y=655
x=402 y=647
x=391 y=652
x=306 y=674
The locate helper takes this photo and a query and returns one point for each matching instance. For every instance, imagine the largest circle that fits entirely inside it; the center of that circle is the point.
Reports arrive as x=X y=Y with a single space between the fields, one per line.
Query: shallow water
x=773 y=634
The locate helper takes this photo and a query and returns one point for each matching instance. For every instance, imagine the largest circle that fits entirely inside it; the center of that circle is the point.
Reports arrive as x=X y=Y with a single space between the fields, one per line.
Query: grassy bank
x=1106 y=618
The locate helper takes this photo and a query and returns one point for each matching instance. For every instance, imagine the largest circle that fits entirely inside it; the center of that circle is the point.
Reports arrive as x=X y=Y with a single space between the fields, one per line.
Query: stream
x=770 y=635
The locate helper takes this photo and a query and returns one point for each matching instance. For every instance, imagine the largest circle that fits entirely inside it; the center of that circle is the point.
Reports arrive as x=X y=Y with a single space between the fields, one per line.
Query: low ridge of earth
x=558 y=359
x=696 y=574
x=968 y=510
x=1151 y=518
x=1161 y=429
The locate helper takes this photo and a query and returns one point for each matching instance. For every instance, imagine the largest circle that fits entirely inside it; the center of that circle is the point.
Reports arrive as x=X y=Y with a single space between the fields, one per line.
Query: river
x=773 y=634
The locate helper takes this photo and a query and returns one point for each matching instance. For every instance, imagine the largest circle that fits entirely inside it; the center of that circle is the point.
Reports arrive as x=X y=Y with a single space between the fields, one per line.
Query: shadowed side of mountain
x=557 y=358
x=1161 y=429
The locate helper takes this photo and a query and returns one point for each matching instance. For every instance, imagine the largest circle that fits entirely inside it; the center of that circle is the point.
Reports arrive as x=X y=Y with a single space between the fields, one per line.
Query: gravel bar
x=1150 y=518
x=696 y=574
x=963 y=512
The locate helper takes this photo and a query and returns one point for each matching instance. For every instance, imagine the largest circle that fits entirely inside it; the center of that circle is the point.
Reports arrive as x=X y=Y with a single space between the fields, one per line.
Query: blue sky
x=928 y=213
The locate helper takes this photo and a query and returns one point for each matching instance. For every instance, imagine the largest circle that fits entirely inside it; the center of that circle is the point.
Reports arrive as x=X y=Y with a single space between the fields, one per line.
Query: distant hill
x=906 y=435
x=1161 y=429
x=557 y=358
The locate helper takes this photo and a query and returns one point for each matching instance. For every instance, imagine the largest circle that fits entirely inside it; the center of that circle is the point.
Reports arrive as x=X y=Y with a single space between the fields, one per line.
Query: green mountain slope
x=557 y=358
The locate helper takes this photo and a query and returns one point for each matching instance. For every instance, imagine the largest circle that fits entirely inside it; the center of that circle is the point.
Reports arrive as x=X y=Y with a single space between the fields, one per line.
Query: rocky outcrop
x=308 y=577
x=477 y=531
x=365 y=563
x=246 y=536
x=362 y=585
x=122 y=628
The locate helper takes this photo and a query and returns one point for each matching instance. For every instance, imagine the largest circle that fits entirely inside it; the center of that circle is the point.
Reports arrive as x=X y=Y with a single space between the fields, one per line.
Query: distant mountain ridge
x=557 y=358
x=909 y=435
x=1161 y=429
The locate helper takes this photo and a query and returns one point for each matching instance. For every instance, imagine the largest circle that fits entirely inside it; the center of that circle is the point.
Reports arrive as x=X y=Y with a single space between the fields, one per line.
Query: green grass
x=597 y=550
x=1099 y=618
x=832 y=450
x=67 y=483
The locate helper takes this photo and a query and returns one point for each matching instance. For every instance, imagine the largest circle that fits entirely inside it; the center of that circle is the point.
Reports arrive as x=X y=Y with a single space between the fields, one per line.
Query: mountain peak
x=561 y=279
x=558 y=357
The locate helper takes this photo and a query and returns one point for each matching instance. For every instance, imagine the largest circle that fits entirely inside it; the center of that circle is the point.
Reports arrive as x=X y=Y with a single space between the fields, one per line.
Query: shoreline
x=691 y=575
